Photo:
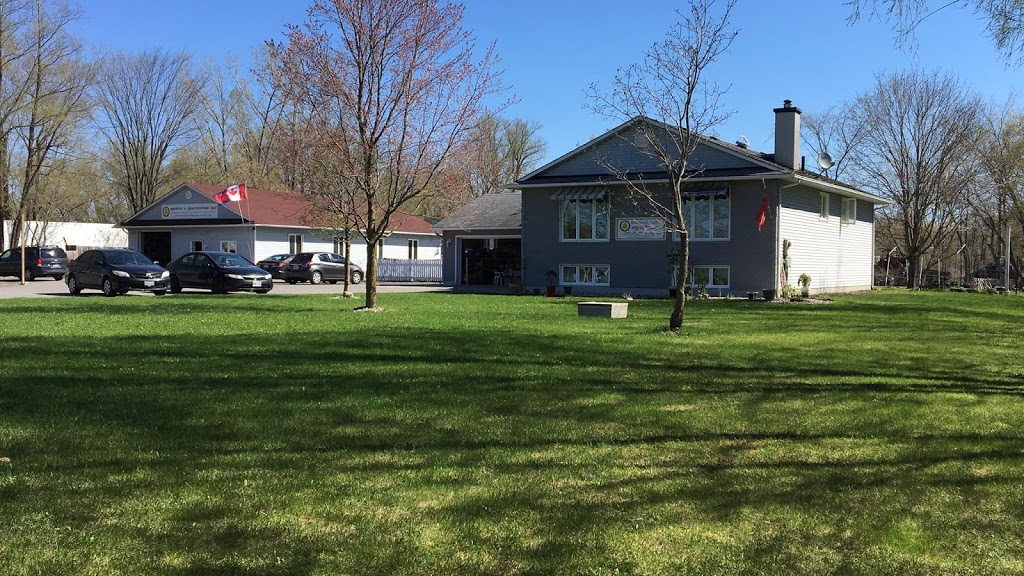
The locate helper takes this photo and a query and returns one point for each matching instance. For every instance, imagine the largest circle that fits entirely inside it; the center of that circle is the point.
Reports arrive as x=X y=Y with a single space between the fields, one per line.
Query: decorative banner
x=639 y=229
x=188 y=211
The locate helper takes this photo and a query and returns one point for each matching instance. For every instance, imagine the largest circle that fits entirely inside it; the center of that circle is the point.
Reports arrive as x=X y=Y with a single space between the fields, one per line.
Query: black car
x=275 y=264
x=41 y=261
x=220 y=272
x=115 y=271
x=316 y=267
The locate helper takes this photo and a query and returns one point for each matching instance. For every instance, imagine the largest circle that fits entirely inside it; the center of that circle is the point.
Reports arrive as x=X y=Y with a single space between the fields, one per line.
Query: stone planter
x=769 y=294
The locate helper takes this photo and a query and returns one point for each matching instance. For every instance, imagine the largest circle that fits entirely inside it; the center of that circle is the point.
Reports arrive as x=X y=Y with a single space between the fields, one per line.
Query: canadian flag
x=231 y=194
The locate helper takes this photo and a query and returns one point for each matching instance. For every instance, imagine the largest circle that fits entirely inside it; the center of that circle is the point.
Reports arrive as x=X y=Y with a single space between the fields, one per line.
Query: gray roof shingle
x=488 y=212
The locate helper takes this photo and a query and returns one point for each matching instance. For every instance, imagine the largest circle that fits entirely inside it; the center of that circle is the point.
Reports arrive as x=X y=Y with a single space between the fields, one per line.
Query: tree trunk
x=676 y=320
x=913 y=269
x=371 y=273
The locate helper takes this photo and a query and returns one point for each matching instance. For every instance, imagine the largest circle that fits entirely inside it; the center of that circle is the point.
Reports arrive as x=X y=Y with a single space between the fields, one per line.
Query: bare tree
x=836 y=133
x=671 y=85
x=15 y=19
x=147 y=103
x=1004 y=19
x=396 y=86
x=55 y=104
x=500 y=151
x=919 y=130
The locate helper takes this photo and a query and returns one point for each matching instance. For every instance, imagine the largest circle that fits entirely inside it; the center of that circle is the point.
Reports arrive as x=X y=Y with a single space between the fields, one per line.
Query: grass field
x=461 y=434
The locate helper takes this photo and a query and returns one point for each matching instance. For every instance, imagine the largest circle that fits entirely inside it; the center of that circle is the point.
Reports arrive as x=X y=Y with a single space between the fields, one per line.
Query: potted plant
x=551 y=276
x=805 y=285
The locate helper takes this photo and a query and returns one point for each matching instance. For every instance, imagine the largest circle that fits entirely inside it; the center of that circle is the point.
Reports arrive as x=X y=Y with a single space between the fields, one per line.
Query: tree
x=54 y=106
x=1004 y=19
x=15 y=19
x=919 y=130
x=394 y=86
x=837 y=133
x=147 y=103
x=671 y=85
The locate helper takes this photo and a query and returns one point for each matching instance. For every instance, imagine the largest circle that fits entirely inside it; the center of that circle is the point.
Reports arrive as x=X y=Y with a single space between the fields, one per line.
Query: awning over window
x=705 y=194
x=579 y=193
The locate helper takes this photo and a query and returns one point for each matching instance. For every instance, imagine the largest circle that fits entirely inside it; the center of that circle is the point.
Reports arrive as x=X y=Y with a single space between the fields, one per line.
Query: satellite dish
x=824 y=160
x=743 y=142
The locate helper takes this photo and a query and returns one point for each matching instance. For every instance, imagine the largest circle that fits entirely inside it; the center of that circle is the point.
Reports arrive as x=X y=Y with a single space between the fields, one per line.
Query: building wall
x=837 y=256
x=642 y=267
x=81 y=234
x=274 y=240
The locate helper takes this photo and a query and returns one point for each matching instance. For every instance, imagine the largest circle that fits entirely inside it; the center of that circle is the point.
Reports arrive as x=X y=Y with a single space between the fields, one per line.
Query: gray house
x=582 y=228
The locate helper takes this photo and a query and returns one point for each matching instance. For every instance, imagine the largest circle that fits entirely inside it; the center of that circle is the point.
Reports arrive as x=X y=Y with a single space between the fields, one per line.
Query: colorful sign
x=188 y=211
x=639 y=229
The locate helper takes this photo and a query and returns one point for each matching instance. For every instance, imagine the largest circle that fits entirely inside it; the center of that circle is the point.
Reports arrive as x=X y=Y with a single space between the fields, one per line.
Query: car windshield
x=230 y=260
x=129 y=257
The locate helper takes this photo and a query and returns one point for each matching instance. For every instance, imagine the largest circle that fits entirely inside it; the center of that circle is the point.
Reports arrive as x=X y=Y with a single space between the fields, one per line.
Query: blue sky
x=552 y=50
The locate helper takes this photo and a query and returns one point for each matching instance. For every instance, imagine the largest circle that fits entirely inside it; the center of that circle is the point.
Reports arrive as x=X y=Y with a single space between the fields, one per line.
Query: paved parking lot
x=48 y=288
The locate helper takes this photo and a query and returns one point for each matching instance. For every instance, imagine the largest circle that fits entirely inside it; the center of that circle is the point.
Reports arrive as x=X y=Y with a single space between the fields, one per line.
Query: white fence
x=391 y=270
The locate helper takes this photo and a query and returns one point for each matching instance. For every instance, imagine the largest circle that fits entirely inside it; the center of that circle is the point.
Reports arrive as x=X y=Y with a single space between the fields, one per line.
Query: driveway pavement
x=48 y=288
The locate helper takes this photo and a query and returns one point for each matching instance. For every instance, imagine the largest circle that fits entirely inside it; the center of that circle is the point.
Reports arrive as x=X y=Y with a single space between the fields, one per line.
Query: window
x=849 y=210
x=591 y=274
x=380 y=249
x=229 y=246
x=294 y=243
x=823 y=206
x=339 y=244
x=707 y=216
x=197 y=246
x=585 y=220
x=709 y=276
x=414 y=249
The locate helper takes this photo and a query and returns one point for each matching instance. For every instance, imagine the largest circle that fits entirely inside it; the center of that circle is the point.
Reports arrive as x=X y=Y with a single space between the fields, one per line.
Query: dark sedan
x=115 y=271
x=220 y=272
x=276 y=264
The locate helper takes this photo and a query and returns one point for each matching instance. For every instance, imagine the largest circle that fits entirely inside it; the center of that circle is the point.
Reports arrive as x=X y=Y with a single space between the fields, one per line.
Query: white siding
x=837 y=257
x=83 y=234
x=272 y=240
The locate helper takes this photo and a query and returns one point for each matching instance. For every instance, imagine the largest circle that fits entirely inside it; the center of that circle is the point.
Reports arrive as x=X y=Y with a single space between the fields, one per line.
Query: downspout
x=778 y=236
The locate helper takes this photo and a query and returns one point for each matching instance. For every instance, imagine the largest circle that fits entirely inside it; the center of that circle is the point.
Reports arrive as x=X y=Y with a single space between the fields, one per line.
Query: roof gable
x=619 y=151
x=261 y=207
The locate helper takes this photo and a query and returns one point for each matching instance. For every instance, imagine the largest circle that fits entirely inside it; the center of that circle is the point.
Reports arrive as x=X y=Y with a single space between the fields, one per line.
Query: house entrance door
x=157 y=246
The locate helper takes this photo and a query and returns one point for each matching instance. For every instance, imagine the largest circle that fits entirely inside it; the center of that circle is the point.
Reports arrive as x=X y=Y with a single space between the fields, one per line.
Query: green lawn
x=461 y=434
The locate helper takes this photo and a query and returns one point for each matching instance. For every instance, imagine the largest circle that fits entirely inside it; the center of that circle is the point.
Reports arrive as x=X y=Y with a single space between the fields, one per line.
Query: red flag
x=762 y=212
x=231 y=194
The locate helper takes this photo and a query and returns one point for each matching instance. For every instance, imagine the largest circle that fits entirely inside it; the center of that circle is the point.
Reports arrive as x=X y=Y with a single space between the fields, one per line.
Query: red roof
x=284 y=208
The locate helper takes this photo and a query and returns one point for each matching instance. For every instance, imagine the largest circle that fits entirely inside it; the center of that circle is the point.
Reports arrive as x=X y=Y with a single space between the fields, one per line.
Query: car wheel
x=291 y=281
x=357 y=276
x=175 y=285
x=108 y=288
x=316 y=278
x=58 y=277
x=29 y=275
x=73 y=286
x=159 y=292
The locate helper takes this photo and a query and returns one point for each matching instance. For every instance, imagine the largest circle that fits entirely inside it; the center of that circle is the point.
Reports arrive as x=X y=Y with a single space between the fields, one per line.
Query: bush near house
x=464 y=434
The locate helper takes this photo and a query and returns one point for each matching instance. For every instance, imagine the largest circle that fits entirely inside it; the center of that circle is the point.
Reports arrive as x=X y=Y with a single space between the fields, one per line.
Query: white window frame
x=711 y=276
x=564 y=205
x=823 y=207
x=690 y=211
x=229 y=246
x=414 y=249
x=201 y=246
x=577 y=275
x=849 y=215
x=294 y=243
x=339 y=245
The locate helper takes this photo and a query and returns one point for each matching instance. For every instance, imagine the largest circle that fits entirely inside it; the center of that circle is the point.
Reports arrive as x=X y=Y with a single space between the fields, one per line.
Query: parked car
x=42 y=261
x=219 y=272
x=276 y=264
x=317 y=267
x=115 y=271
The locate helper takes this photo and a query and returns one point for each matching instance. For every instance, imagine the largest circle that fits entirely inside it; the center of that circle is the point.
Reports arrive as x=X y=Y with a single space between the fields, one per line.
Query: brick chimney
x=787 y=135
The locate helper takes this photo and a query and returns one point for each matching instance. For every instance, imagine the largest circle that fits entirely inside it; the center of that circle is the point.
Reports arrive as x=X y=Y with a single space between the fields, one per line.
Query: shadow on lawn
x=535 y=451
